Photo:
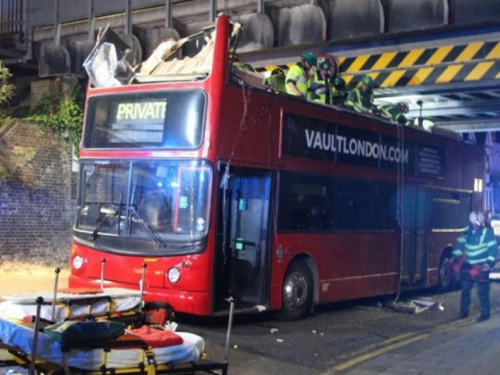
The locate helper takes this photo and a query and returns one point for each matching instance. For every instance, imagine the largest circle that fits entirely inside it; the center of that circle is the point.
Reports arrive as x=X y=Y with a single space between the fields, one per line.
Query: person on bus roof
x=298 y=76
x=339 y=92
x=360 y=99
x=396 y=113
x=320 y=88
x=276 y=80
x=476 y=250
x=236 y=63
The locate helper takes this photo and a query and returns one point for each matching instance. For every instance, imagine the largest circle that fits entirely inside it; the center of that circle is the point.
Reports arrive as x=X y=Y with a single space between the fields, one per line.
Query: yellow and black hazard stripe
x=438 y=65
x=470 y=62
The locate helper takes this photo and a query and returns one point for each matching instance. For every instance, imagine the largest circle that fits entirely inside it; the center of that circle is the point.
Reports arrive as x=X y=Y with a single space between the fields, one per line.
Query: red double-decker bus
x=196 y=186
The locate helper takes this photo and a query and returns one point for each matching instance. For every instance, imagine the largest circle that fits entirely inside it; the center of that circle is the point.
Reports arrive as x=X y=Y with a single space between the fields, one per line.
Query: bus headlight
x=174 y=275
x=77 y=262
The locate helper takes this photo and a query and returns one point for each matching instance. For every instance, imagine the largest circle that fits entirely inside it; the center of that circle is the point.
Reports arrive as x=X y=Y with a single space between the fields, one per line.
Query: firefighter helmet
x=367 y=80
x=404 y=107
x=339 y=83
x=310 y=58
x=277 y=72
x=476 y=218
x=276 y=80
x=324 y=63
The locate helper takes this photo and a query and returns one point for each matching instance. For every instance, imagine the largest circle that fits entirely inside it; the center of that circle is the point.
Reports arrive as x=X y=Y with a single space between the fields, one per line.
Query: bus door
x=247 y=248
x=414 y=245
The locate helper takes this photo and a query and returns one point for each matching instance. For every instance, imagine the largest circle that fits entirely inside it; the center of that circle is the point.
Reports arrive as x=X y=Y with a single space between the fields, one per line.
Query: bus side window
x=318 y=218
x=300 y=212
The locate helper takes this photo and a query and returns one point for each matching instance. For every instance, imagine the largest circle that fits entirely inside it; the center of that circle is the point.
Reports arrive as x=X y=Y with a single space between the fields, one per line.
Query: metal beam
x=458 y=108
x=261 y=6
x=168 y=14
x=57 y=24
x=91 y=21
x=471 y=125
x=128 y=17
x=212 y=12
x=10 y=54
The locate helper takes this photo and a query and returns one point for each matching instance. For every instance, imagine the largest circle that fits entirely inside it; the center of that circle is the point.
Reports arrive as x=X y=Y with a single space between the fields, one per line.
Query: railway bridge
x=440 y=56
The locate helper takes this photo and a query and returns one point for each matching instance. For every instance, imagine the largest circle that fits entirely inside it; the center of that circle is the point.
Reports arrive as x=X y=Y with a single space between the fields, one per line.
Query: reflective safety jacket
x=243 y=66
x=477 y=246
x=276 y=82
x=394 y=114
x=319 y=89
x=298 y=75
x=338 y=97
x=360 y=101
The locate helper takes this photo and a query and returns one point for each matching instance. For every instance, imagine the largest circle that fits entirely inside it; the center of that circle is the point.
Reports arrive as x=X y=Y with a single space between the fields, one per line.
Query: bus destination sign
x=139 y=121
x=141 y=111
x=310 y=138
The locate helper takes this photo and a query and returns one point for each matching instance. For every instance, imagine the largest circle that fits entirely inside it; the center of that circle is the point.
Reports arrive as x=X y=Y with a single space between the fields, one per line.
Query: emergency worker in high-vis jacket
x=276 y=81
x=320 y=89
x=298 y=76
x=477 y=248
x=396 y=113
x=237 y=64
x=360 y=99
x=339 y=91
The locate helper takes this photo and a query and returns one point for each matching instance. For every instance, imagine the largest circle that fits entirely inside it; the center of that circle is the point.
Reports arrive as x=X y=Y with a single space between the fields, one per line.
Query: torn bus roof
x=185 y=59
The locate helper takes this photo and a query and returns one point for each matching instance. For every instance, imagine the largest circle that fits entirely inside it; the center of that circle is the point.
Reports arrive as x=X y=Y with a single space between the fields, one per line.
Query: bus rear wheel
x=297 y=293
x=447 y=279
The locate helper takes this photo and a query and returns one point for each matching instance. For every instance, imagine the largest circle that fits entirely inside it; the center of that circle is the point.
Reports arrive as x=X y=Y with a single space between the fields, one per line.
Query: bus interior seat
x=154 y=208
x=93 y=213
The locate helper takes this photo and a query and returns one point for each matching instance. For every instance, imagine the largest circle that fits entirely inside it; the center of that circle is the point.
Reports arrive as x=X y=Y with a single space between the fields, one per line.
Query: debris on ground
x=413 y=306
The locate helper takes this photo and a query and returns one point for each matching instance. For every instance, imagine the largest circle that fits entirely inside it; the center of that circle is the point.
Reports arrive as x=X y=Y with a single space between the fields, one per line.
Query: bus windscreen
x=151 y=200
x=166 y=119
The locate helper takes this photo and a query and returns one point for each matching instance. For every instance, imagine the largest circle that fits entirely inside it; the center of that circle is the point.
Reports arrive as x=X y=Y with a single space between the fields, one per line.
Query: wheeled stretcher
x=107 y=304
x=127 y=356
x=143 y=348
x=69 y=304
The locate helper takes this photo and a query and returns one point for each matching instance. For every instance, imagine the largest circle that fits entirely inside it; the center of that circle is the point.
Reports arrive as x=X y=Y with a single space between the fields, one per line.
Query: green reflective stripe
x=477 y=247
x=477 y=261
x=483 y=235
x=475 y=253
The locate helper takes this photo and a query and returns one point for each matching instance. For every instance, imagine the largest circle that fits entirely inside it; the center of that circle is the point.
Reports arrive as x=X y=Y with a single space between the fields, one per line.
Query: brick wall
x=37 y=195
x=49 y=86
x=42 y=87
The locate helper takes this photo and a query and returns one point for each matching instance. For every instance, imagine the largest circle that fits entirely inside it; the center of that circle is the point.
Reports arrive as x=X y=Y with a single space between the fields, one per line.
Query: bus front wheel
x=297 y=293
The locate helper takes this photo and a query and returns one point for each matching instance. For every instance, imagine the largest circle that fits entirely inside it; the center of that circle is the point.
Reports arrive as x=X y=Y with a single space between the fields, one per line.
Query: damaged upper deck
x=187 y=59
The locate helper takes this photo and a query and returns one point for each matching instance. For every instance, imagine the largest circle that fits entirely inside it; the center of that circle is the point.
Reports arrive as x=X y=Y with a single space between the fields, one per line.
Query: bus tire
x=447 y=279
x=297 y=293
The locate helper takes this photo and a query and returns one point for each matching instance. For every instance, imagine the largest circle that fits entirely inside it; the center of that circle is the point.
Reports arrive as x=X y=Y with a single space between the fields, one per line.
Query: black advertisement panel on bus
x=305 y=137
